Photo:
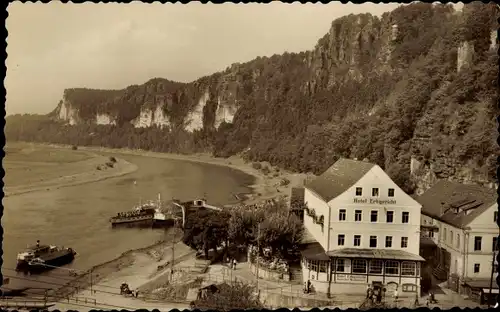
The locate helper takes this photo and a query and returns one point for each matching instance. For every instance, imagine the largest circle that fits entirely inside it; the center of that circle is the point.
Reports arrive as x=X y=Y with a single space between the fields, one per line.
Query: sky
x=56 y=46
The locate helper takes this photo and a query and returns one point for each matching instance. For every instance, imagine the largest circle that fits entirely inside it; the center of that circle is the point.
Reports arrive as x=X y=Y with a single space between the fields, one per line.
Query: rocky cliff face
x=410 y=91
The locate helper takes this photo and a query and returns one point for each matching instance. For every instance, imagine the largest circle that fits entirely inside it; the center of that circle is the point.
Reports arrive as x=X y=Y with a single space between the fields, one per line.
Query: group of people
x=430 y=299
x=125 y=290
x=307 y=287
x=375 y=294
x=231 y=263
x=129 y=214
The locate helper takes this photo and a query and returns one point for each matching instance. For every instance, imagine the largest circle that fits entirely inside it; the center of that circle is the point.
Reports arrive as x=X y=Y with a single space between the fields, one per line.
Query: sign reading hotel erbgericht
x=375 y=201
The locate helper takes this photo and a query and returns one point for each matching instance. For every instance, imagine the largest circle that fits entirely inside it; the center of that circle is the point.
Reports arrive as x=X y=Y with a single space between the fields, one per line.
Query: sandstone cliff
x=412 y=91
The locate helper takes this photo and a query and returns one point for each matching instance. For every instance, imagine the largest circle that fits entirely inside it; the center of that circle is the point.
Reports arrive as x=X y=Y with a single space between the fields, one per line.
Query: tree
x=230 y=297
x=282 y=232
x=205 y=230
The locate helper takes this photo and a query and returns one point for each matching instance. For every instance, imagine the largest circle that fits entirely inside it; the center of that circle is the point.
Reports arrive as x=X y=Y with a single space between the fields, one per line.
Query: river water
x=78 y=216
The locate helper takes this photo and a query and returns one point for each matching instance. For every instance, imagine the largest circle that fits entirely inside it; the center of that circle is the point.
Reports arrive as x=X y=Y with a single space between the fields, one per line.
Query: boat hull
x=160 y=223
x=146 y=222
x=49 y=264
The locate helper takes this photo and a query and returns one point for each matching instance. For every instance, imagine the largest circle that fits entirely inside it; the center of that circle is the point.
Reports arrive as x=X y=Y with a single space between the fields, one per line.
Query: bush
x=266 y=170
x=256 y=165
x=110 y=164
x=112 y=159
x=229 y=297
x=284 y=182
x=74 y=147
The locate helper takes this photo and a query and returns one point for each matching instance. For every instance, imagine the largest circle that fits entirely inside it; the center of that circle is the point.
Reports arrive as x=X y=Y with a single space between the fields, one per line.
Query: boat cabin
x=39 y=249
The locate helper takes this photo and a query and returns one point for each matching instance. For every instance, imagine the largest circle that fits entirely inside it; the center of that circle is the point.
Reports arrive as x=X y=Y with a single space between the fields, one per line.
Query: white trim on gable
x=378 y=175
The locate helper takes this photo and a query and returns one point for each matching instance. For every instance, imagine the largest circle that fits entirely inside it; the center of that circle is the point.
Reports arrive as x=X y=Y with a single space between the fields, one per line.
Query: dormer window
x=359 y=191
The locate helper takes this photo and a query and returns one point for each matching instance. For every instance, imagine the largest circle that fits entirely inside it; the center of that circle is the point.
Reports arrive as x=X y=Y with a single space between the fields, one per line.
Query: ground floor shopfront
x=352 y=270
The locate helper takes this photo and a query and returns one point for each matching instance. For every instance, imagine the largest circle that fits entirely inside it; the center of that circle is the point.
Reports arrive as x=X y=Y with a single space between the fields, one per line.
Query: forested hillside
x=413 y=91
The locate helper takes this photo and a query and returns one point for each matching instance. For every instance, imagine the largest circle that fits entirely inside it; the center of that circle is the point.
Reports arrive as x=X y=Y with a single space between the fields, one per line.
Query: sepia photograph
x=250 y=156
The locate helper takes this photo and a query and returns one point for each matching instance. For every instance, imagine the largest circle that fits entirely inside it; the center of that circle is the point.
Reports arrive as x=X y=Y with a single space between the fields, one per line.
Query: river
x=78 y=216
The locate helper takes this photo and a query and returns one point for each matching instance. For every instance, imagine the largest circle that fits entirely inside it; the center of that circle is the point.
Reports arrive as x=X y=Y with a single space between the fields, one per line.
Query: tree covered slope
x=413 y=91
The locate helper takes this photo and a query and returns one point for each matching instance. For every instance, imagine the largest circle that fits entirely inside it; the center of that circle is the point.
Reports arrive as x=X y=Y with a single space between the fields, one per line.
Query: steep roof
x=338 y=178
x=455 y=203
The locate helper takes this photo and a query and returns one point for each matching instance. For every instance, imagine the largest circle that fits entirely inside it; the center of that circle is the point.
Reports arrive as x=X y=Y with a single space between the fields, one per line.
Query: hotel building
x=363 y=229
x=461 y=220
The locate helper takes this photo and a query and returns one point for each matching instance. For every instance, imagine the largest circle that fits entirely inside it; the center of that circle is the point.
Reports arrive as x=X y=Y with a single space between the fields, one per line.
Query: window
x=404 y=242
x=391 y=267
x=390 y=192
x=458 y=240
x=322 y=266
x=405 y=217
x=431 y=233
x=359 y=266
x=495 y=216
x=340 y=265
x=375 y=192
x=476 y=267
x=477 y=243
x=376 y=266
x=359 y=191
x=408 y=268
x=357 y=215
x=373 y=241
x=357 y=240
x=342 y=215
x=374 y=216
x=388 y=241
x=451 y=238
x=494 y=246
x=341 y=239
x=409 y=288
x=444 y=235
x=314 y=266
x=390 y=216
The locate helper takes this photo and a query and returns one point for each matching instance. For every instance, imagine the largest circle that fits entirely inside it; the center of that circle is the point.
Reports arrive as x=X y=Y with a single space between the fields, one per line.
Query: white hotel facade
x=364 y=230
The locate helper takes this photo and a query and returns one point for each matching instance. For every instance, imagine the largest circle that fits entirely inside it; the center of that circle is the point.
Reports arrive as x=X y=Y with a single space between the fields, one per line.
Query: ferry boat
x=149 y=214
x=143 y=214
x=43 y=257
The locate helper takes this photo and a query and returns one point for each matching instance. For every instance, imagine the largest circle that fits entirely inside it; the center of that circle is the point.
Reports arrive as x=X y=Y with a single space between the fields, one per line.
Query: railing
x=24 y=303
x=82 y=300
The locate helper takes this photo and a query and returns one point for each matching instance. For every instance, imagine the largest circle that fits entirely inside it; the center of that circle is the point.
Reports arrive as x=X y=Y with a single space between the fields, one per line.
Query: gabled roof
x=338 y=178
x=455 y=203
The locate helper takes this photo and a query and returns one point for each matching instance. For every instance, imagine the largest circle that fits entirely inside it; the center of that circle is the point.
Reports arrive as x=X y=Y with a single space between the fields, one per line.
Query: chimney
x=442 y=208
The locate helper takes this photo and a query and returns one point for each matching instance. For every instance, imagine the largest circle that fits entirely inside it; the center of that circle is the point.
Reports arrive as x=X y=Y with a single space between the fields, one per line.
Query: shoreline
x=265 y=186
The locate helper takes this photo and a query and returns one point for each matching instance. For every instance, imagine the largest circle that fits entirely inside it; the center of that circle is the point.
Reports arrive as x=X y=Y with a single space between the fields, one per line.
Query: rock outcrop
x=410 y=90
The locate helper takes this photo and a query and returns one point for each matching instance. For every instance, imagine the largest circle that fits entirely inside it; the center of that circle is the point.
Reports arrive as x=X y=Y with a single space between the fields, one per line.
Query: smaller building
x=461 y=221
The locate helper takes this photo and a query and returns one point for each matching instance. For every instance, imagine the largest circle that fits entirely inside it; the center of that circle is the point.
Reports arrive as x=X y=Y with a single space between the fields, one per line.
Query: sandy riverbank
x=31 y=168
